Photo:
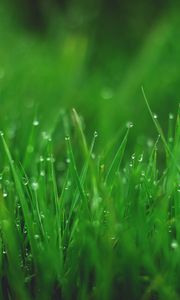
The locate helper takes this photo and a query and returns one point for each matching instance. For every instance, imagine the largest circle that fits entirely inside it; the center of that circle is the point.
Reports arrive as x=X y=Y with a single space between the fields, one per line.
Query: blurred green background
x=91 y=55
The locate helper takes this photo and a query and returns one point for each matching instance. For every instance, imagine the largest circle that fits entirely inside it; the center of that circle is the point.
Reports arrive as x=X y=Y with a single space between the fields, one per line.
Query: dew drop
x=171 y=116
x=93 y=155
x=35 y=185
x=155 y=116
x=133 y=156
x=41 y=159
x=170 y=140
x=25 y=180
x=140 y=159
x=68 y=160
x=67 y=138
x=174 y=244
x=42 y=173
x=129 y=124
x=42 y=215
x=45 y=135
x=5 y=194
x=50 y=159
x=35 y=122
x=95 y=134
x=30 y=149
x=150 y=143
x=143 y=173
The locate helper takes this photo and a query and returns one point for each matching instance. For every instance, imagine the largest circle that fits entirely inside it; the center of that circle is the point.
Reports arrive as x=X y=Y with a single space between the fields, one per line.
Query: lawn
x=89 y=152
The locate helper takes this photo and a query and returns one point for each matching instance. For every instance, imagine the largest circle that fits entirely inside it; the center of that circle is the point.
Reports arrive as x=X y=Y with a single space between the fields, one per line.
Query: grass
x=79 y=222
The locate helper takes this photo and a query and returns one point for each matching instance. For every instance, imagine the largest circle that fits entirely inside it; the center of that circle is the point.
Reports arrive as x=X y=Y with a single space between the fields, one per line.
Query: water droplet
x=41 y=159
x=140 y=159
x=36 y=236
x=155 y=116
x=1 y=133
x=5 y=194
x=95 y=134
x=133 y=156
x=150 y=143
x=30 y=149
x=129 y=124
x=35 y=185
x=35 y=122
x=67 y=138
x=68 y=160
x=93 y=155
x=170 y=140
x=42 y=215
x=143 y=173
x=25 y=180
x=45 y=135
x=171 y=116
x=174 y=244
x=131 y=165
x=50 y=159
x=42 y=173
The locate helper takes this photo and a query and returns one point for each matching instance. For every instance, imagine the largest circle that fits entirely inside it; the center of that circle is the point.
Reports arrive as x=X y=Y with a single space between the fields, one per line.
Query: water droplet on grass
x=93 y=155
x=5 y=194
x=140 y=159
x=36 y=236
x=42 y=215
x=25 y=180
x=143 y=173
x=35 y=185
x=35 y=122
x=171 y=116
x=129 y=124
x=150 y=143
x=68 y=160
x=50 y=159
x=155 y=116
x=95 y=134
x=42 y=173
x=170 y=140
x=45 y=135
x=133 y=156
x=174 y=244
x=67 y=138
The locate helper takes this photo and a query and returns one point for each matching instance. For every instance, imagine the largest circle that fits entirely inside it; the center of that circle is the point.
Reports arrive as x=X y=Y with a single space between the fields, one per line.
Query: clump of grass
x=90 y=225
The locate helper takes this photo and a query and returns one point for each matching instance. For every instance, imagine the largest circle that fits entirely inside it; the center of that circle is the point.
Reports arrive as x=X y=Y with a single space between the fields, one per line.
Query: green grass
x=78 y=221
